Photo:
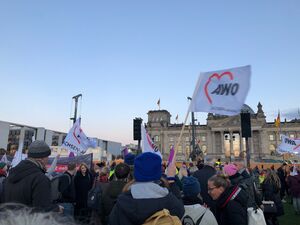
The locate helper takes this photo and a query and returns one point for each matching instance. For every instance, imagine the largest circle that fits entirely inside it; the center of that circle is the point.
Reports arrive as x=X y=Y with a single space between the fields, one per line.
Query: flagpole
x=181 y=133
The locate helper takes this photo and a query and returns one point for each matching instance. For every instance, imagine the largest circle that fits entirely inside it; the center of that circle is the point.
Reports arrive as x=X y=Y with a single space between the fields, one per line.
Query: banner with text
x=222 y=92
x=289 y=145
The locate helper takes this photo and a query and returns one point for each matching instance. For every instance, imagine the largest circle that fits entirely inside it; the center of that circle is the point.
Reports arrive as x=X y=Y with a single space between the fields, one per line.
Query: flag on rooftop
x=277 y=121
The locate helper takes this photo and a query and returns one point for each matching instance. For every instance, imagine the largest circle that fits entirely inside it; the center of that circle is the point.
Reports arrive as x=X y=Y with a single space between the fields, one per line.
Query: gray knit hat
x=38 y=149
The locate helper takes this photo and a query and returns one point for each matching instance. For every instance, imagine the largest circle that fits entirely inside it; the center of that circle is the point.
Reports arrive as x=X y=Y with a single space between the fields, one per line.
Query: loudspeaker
x=246 y=125
x=137 y=129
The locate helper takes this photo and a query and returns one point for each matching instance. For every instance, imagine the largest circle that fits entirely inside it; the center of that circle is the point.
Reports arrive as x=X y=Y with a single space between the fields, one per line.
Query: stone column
x=222 y=143
x=4 y=131
x=22 y=137
x=241 y=142
x=231 y=145
x=213 y=143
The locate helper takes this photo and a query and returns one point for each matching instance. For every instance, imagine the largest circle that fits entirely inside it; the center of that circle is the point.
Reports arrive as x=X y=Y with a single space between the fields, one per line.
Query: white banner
x=76 y=141
x=19 y=156
x=222 y=92
x=289 y=145
x=147 y=143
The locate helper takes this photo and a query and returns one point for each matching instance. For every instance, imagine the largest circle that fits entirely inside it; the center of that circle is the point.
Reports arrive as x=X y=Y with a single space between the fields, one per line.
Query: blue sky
x=125 y=55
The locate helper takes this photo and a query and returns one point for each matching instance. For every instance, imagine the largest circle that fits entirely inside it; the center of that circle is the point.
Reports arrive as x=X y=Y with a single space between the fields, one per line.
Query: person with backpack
x=67 y=189
x=113 y=190
x=246 y=182
x=83 y=182
x=271 y=192
x=147 y=196
x=231 y=201
x=195 y=213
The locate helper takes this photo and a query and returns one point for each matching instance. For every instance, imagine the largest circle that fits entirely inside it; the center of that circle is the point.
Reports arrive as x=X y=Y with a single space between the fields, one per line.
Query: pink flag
x=171 y=156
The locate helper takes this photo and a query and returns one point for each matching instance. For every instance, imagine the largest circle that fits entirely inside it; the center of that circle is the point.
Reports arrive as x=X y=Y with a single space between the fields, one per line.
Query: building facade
x=221 y=136
x=13 y=135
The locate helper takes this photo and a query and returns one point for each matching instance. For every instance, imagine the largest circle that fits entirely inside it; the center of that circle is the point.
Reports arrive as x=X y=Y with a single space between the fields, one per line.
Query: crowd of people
x=133 y=190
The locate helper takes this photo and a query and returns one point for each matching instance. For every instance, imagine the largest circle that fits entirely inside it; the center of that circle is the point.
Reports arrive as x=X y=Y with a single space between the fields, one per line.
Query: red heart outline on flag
x=209 y=80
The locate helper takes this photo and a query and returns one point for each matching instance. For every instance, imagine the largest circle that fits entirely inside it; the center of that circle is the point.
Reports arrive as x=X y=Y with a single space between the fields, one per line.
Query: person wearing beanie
x=239 y=176
x=195 y=212
x=147 y=194
x=27 y=183
x=129 y=159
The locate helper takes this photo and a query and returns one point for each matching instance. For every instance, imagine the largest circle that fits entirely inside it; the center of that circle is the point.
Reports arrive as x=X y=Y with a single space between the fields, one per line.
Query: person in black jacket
x=66 y=185
x=113 y=190
x=144 y=196
x=231 y=201
x=27 y=183
x=83 y=183
x=203 y=175
x=271 y=192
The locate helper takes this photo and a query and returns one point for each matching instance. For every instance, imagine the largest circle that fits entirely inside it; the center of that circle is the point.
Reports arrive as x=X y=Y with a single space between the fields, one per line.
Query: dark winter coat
x=27 y=184
x=66 y=184
x=82 y=186
x=130 y=211
x=203 y=175
x=232 y=212
x=272 y=193
x=109 y=198
x=2 y=177
x=294 y=184
x=245 y=181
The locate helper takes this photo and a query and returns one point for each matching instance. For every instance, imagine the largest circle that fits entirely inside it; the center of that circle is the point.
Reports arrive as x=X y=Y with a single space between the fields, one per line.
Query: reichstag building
x=221 y=136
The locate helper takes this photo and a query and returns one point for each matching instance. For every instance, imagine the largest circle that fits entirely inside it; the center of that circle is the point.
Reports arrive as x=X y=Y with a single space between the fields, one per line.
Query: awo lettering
x=226 y=89
x=290 y=142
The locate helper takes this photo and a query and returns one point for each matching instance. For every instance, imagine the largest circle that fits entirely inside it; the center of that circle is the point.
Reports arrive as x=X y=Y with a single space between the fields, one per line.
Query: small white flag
x=4 y=159
x=19 y=156
x=76 y=141
x=147 y=143
x=222 y=92
x=289 y=145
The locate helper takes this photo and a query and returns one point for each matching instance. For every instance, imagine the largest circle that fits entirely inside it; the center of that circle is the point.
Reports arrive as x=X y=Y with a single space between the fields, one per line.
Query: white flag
x=147 y=143
x=76 y=141
x=4 y=159
x=222 y=92
x=289 y=145
x=19 y=156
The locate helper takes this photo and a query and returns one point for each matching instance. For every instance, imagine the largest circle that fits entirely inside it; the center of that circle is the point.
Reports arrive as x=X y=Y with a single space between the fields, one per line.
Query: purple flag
x=171 y=156
x=125 y=151
x=71 y=155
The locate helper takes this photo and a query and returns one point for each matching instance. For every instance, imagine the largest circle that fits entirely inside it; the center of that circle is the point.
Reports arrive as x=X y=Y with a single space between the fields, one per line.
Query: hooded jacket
x=27 y=184
x=141 y=202
x=109 y=198
x=232 y=207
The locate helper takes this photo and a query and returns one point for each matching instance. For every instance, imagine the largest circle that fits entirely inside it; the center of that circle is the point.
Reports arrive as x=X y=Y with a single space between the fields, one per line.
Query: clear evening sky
x=125 y=55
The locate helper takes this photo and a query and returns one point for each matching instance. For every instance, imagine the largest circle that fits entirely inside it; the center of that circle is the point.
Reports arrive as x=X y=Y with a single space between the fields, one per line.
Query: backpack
x=94 y=197
x=162 y=217
x=56 y=189
x=187 y=220
x=255 y=216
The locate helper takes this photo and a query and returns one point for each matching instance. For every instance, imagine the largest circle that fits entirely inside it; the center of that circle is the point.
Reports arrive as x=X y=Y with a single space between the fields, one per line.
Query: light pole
x=76 y=97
